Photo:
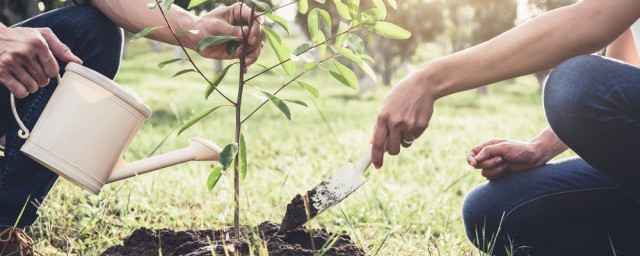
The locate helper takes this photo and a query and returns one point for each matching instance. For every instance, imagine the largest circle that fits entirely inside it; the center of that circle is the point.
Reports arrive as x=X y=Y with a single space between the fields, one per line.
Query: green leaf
x=190 y=31
x=227 y=155
x=262 y=6
x=312 y=23
x=348 y=54
x=152 y=6
x=367 y=58
x=279 y=103
x=195 y=3
x=369 y=71
x=231 y=47
x=309 y=66
x=299 y=102
x=167 y=5
x=322 y=48
x=344 y=75
x=167 y=62
x=342 y=9
x=280 y=21
x=213 y=40
x=242 y=157
x=342 y=28
x=380 y=5
x=327 y=20
x=281 y=50
x=303 y=6
x=309 y=88
x=371 y=16
x=196 y=118
x=273 y=71
x=214 y=177
x=184 y=71
x=393 y=4
x=144 y=33
x=391 y=30
x=216 y=81
x=355 y=43
x=301 y=48
x=353 y=7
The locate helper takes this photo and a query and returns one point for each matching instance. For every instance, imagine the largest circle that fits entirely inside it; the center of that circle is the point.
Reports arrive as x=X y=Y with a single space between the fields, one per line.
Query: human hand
x=498 y=156
x=226 y=21
x=404 y=116
x=27 y=58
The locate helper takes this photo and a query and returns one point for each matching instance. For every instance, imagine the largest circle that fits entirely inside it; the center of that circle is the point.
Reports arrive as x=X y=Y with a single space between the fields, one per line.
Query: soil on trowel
x=299 y=211
x=296 y=242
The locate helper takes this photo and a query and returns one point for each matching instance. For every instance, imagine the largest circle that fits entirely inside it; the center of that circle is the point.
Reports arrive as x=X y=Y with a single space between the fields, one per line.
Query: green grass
x=409 y=207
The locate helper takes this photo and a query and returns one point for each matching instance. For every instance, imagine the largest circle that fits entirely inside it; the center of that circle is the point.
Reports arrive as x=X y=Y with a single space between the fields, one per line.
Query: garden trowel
x=328 y=193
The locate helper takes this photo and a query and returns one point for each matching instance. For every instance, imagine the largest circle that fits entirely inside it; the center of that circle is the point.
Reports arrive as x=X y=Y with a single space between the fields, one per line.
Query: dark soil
x=299 y=211
x=296 y=242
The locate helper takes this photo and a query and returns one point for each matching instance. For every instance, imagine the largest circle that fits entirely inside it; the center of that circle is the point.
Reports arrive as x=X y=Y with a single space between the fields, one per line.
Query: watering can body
x=86 y=127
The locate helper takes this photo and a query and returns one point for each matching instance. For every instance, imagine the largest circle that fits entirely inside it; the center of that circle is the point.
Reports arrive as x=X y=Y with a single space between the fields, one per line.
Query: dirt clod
x=296 y=242
x=299 y=211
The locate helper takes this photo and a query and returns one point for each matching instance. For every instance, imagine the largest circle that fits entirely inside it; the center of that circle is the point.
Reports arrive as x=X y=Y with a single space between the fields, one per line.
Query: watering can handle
x=24 y=131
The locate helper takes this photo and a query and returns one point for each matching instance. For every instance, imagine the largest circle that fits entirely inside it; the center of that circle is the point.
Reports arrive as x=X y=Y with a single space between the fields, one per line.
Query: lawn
x=412 y=206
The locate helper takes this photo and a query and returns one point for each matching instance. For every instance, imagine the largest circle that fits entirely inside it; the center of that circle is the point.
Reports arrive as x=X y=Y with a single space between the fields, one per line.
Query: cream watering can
x=86 y=127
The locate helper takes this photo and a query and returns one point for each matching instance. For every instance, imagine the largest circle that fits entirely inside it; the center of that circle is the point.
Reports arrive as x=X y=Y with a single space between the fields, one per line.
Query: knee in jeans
x=94 y=27
x=481 y=215
x=570 y=90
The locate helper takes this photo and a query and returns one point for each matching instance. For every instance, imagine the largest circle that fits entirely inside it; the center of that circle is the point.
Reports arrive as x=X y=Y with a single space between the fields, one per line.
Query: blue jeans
x=95 y=40
x=580 y=206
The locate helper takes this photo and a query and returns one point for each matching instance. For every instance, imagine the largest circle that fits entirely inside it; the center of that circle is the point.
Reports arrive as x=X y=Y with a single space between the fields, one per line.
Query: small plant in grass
x=323 y=52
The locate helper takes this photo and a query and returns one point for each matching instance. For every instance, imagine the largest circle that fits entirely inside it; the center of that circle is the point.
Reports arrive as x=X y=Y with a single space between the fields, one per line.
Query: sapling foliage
x=327 y=51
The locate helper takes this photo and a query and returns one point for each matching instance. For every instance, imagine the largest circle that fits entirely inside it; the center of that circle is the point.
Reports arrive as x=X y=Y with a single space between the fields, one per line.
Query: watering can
x=86 y=127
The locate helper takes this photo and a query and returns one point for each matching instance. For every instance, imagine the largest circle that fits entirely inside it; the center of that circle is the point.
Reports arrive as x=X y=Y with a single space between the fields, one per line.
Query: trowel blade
x=328 y=193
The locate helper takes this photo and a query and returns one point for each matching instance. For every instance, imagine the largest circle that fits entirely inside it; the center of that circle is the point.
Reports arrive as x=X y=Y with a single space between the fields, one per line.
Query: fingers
x=491 y=151
x=35 y=70
x=25 y=79
x=490 y=163
x=494 y=173
x=18 y=90
x=59 y=49
x=378 y=143
x=252 y=57
x=241 y=13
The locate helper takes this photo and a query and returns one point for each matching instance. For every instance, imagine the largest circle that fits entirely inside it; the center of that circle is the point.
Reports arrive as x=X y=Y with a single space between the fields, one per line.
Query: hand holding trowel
x=328 y=193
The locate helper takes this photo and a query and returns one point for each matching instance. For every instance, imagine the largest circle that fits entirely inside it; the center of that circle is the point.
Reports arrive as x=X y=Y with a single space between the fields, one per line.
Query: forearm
x=539 y=44
x=548 y=145
x=135 y=15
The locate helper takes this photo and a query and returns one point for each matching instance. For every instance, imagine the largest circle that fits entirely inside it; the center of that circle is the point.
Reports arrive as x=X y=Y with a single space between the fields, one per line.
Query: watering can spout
x=198 y=150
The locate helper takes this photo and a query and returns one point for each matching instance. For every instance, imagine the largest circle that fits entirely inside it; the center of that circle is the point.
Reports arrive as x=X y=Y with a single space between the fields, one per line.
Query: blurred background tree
x=460 y=23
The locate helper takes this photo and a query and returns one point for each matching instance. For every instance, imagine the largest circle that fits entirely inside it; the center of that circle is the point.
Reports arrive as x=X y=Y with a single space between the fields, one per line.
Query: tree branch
x=310 y=48
x=189 y=57
x=282 y=87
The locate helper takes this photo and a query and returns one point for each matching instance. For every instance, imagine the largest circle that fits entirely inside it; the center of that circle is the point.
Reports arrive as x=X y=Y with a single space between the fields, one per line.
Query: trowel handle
x=364 y=162
x=24 y=131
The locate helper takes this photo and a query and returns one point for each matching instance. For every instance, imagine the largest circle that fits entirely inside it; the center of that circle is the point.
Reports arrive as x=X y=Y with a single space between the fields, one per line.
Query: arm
x=624 y=49
x=539 y=44
x=135 y=15
x=495 y=157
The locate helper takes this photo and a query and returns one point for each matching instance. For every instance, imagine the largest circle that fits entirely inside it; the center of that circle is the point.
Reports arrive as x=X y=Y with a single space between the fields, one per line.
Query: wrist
x=433 y=76
x=542 y=150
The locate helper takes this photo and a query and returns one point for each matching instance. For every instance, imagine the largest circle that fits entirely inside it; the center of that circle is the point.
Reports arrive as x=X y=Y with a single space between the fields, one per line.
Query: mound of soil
x=296 y=242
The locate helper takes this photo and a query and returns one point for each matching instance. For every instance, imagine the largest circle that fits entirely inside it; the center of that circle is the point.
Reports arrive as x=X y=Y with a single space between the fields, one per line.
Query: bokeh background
x=412 y=206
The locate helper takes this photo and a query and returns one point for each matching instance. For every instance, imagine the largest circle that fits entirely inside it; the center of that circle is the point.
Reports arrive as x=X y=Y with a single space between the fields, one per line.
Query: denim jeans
x=586 y=205
x=98 y=42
